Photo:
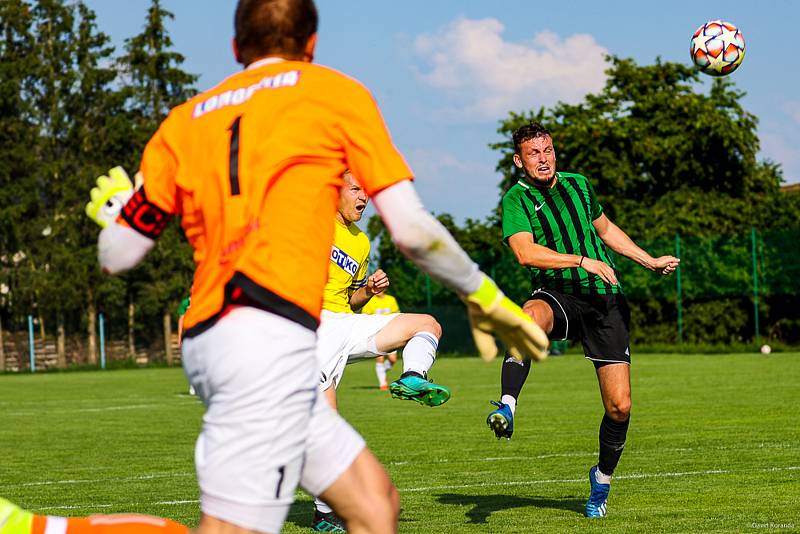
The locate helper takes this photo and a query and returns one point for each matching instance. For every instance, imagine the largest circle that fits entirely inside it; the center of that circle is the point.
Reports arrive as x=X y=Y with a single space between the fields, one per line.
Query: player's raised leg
x=419 y=334
x=514 y=373
x=14 y=520
x=615 y=389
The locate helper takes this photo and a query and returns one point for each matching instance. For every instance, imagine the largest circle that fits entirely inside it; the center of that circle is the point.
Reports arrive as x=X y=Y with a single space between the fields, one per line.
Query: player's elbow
x=524 y=258
x=120 y=248
x=413 y=240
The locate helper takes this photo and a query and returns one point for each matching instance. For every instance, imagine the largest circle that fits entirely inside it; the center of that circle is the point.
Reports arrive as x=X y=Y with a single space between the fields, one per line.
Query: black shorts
x=600 y=322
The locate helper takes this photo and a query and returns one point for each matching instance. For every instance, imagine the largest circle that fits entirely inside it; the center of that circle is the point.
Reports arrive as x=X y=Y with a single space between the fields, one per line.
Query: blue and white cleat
x=598 y=499
x=501 y=420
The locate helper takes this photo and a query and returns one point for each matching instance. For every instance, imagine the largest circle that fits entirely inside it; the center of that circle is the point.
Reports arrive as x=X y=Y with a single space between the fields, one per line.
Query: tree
x=17 y=141
x=155 y=83
x=666 y=159
x=82 y=124
x=661 y=155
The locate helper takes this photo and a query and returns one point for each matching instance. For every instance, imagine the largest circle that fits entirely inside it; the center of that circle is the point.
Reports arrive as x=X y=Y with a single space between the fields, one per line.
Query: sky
x=444 y=72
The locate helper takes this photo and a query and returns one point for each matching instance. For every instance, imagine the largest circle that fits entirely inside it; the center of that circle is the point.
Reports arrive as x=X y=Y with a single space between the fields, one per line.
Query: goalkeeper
x=236 y=317
x=555 y=227
x=252 y=167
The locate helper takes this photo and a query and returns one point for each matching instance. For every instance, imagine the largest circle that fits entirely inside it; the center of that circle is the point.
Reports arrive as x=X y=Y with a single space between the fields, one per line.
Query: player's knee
x=619 y=409
x=541 y=314
x=429 y=324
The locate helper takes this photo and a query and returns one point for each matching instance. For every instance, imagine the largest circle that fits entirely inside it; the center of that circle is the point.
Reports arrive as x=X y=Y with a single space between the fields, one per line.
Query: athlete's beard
x=540 y=183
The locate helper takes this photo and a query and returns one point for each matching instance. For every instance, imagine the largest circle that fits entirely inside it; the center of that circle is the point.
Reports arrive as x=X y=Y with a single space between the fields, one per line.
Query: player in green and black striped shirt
x=556 y=227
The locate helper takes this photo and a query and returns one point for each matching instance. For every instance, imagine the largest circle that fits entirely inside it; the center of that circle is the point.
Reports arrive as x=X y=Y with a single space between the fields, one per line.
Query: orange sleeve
x=370 y=152
x=158 y=167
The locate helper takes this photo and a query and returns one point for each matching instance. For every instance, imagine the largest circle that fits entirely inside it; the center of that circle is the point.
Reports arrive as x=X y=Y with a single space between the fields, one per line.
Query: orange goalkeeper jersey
x=253 y=166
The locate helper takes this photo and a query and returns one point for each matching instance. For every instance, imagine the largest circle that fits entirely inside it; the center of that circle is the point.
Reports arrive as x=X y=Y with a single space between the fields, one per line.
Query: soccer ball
x=717 y=48
x=766 y=349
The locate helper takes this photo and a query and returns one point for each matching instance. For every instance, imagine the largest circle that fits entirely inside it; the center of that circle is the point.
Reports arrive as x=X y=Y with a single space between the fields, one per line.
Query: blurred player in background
x=383 y=304
x=345 y=337
x=556 y=227
x=253 y=166
x=184 y=305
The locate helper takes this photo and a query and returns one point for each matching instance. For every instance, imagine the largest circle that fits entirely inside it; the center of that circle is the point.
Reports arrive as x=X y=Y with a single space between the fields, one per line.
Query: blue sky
x=445 y=71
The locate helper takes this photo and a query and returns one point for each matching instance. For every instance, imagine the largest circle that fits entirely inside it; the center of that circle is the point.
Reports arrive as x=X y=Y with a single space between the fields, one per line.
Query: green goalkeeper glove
x=110 y=195
x=491 y=312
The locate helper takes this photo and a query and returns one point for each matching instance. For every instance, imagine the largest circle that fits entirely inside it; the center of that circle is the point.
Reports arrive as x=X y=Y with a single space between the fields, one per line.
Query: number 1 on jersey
x=234 y=156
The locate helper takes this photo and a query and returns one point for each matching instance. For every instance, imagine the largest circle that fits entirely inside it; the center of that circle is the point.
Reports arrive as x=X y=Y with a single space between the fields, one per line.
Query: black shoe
x=327 y=522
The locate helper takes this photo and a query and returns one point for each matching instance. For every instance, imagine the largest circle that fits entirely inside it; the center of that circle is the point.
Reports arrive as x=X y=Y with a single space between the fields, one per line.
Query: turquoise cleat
x=598 y=499
x=13 y=519
x=413 y=386
x=327 y=522
x=501 y=420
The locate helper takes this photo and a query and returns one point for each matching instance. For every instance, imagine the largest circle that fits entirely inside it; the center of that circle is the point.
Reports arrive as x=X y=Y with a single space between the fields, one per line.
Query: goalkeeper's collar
x=264 y=61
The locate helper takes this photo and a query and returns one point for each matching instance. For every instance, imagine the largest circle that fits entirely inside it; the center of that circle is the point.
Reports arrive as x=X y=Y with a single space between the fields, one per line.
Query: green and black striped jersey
x=560 y=218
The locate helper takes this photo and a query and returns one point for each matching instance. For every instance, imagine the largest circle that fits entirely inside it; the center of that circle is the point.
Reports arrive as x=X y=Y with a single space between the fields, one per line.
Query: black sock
x=514 y=375
x=612 y=441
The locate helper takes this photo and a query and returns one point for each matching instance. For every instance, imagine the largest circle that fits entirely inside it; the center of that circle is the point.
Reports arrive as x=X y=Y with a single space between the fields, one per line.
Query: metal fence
x=733 y=289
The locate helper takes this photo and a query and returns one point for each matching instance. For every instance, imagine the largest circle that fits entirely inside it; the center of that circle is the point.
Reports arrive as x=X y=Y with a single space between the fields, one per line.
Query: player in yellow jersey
x=345 y=337
x=382 y=304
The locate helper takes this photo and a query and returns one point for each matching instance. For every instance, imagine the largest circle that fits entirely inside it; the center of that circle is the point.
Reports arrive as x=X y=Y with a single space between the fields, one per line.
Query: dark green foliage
x=66 y=117
x=665 y=158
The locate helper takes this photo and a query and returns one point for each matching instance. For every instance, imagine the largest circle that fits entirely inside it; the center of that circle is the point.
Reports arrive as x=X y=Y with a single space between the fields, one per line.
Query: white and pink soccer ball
x=717 y=48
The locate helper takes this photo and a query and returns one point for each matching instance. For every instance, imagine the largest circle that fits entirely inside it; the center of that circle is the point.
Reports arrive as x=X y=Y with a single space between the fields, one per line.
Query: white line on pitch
x=400 y=463
x=573 y=480
x=101 y=409
x=635 y=476
x=96 y=480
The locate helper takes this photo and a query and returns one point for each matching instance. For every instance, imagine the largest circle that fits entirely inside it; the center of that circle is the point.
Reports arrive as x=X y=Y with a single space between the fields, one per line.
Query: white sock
x=321 y=506
x=510 y=401
x=387 y=364
x=420 y=353
x=602 y=478
x=380 y=372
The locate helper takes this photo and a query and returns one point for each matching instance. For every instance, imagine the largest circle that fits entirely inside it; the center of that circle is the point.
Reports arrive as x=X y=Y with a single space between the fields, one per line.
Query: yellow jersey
x=347 y=270
x=382 y=304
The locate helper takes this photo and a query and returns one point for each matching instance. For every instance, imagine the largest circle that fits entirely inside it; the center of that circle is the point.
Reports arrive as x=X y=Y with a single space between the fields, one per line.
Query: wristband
x=580 y=264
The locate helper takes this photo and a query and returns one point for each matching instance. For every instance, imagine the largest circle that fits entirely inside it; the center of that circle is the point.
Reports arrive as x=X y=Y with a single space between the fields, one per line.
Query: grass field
x=714 y=446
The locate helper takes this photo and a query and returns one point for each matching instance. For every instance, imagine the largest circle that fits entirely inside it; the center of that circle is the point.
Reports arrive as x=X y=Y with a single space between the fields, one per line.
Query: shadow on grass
x=484 y=505
x=301 y=514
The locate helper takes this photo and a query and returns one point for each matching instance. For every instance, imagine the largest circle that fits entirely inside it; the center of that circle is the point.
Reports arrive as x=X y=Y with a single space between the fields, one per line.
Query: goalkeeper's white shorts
x=265 y=419
x=343 y=338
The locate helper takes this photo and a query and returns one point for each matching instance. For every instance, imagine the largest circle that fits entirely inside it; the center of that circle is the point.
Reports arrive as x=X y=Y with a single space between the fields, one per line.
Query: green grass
x=714 y=446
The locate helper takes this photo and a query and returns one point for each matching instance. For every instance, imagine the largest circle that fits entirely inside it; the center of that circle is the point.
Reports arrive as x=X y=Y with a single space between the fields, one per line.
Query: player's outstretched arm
x=530 y=254
x=618 y=241
x=431 y=247
x=119 y=248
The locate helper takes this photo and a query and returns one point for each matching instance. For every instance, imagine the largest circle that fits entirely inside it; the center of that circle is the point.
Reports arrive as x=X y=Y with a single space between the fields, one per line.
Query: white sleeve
x=423 y=239
x=120 y=248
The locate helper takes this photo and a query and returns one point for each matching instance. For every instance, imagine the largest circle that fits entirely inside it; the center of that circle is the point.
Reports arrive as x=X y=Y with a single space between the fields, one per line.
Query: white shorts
x=342 y=338
x=257 y=374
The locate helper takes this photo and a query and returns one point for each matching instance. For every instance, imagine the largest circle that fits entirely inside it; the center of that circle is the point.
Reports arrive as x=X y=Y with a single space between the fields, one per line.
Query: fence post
x=101 y=326
x=30 y=344
x=428 y=291
x=755 y=279
x=679 y=296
